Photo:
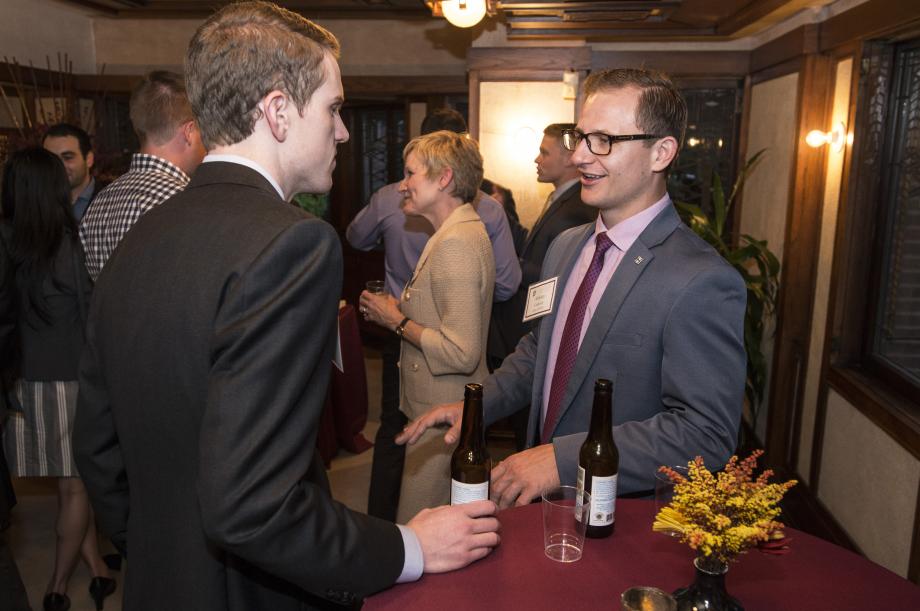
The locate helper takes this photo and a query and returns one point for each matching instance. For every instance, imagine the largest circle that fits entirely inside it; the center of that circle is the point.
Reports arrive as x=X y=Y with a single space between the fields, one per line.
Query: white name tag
x=540 y=297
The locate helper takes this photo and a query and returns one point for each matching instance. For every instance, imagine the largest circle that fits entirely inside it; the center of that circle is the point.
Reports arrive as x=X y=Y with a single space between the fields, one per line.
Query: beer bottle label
x=603 y=500
x=461 y=493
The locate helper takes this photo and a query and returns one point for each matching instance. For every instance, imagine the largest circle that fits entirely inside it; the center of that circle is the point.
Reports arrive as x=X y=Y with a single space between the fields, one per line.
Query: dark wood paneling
x=798 y=42
x=868 y=20
x=529 y=58
x=685 y=63
x=799 y=269
x=108 y=83
x=750 y=13
x=473 y=122
x=403 y=85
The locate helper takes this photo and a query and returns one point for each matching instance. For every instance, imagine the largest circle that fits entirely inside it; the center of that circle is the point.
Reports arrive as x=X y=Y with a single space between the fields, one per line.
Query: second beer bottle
x=470 y=464
x=599 y=463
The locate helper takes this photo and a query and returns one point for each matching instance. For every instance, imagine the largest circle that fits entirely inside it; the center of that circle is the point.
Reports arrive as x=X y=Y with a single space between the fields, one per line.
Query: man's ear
x=276 y=107
x=663 y=153
x=187 y=129
x=90 y=160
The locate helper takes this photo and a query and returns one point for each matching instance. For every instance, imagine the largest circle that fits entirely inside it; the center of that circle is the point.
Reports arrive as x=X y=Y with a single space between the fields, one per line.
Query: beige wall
x=869 y=483
x=34 y=30
x=512 y=118
x=766 y=192
x=825 y=260
x=369 y=47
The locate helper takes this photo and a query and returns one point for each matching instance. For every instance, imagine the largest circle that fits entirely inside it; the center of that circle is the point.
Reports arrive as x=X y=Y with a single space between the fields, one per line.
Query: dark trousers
x=389 y=458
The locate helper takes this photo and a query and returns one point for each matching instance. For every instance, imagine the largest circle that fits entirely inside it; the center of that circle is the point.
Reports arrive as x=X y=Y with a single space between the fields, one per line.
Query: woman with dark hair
x=39 y=240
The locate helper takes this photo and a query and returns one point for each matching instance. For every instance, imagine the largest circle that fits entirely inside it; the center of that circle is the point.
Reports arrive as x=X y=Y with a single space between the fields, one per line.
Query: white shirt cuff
x=414 y=564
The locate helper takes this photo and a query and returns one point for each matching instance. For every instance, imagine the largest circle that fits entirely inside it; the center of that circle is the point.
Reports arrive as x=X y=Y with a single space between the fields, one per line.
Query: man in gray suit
x=638 y=299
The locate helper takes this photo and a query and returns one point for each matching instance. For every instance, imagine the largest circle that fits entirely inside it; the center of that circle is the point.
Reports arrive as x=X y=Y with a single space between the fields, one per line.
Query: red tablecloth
x=813 y=575
x=345 y=413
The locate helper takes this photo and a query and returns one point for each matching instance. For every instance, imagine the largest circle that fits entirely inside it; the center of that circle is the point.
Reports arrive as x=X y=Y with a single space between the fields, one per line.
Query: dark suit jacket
x=506 y=328
x=209 y=345
x=669 y=332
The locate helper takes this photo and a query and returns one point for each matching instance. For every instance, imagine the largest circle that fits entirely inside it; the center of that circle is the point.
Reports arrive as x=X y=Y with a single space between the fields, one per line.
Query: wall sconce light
x=837 y=137
x=461 y=13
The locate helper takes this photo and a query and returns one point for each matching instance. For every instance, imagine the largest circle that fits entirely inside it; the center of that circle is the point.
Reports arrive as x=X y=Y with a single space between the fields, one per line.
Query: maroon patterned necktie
x=571 y=333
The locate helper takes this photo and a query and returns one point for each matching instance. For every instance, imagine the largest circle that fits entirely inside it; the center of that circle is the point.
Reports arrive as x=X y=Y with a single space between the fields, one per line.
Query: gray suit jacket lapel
x=631 y=267
x=562 y=267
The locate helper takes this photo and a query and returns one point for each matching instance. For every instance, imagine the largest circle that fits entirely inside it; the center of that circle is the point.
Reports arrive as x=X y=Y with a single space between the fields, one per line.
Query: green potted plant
x=757 y=265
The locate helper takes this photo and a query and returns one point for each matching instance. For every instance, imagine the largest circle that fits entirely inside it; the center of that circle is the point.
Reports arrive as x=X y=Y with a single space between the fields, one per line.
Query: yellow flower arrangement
x=722 y=515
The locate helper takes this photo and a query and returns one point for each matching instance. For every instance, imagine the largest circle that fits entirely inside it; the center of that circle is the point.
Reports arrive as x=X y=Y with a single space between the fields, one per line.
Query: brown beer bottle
x=599 y=463
x=470 y=464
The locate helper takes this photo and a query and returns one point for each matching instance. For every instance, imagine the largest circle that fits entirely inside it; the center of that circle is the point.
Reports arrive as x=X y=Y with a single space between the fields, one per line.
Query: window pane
x=896 y=340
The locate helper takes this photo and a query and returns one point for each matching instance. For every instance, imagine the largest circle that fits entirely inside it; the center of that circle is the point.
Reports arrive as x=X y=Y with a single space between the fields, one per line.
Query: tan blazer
x=450 y=295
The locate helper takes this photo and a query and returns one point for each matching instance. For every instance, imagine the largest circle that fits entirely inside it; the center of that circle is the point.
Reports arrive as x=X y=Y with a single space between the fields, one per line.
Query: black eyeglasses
x=598 y=143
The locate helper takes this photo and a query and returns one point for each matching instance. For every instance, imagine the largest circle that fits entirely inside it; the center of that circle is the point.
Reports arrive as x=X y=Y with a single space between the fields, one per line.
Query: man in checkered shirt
x=170 y=151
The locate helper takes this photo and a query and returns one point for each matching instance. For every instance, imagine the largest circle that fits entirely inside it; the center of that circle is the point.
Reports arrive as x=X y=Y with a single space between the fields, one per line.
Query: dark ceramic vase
x=707 y=592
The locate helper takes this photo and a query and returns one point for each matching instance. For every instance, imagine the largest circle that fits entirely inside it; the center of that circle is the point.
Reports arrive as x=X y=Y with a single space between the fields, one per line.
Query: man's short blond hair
x=243 y=52
x=445 y=149
x=661 y=110
x=159 y=106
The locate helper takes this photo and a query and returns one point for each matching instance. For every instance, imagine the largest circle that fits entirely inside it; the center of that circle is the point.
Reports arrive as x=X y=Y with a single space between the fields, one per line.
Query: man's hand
x=447 y=413
x=524 y=476
x=454 y=536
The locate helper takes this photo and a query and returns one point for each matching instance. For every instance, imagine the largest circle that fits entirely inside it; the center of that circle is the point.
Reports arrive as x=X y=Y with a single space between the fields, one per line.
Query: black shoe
x=56 y=602
x=99 y=588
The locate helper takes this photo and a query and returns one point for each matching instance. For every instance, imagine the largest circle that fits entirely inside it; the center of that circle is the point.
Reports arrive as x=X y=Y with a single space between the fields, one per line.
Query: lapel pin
x=639 y=260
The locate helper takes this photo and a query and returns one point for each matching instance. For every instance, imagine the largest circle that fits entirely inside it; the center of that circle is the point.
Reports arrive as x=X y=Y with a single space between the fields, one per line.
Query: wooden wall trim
x=777 y=70
x=799 y=269
x=473 y=118
x=868 y=20
x=403 y=85
x=685 y=63
x=798 y=42
x=817 y=447
x=892 y=413
x=512 y=75
x=529 y=58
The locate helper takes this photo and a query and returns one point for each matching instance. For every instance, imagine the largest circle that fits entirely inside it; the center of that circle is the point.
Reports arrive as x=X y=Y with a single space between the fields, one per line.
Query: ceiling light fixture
x=462 y=13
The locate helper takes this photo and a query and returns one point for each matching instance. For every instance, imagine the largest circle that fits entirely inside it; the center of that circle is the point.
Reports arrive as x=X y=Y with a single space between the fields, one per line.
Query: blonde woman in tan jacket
x=443 y=316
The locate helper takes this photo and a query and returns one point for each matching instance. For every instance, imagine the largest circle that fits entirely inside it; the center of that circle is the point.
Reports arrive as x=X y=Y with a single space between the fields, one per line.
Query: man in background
x=209 y=343
x=74 y=147
x=404 y=238
x=563 y=209
x=170 y=150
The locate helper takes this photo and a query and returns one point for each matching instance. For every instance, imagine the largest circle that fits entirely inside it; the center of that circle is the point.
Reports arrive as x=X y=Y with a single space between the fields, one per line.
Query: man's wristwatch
x=401 y=327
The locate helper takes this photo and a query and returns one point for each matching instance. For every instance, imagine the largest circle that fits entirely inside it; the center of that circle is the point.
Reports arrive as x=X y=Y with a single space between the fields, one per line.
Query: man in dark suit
x=209 y=345
x=639 y=299
x=563 y=209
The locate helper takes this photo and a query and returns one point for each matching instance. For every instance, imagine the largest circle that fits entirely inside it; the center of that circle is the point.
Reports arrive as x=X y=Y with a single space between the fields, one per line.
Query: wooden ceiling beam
x=751 y=13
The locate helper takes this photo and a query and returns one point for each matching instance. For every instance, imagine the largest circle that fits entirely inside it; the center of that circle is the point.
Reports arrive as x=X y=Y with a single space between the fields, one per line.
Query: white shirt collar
x=563 y=188
x=249 y=163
